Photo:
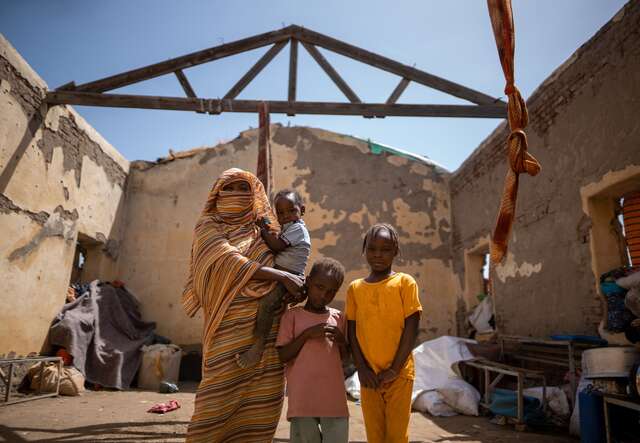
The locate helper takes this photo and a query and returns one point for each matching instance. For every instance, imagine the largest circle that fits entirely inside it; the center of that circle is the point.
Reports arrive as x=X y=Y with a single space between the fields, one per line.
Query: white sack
x=433 y=403
x=629 y=281
x=481 y=316
x=461 y=396
x=352 y=386
x=434 y=360
x=556 y=399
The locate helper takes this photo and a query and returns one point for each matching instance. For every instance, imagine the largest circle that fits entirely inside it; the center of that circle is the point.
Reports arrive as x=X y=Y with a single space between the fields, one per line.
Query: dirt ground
x=122 y=417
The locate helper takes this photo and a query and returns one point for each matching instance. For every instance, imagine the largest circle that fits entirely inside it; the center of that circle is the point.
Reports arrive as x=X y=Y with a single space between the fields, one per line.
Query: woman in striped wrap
x=230 y=271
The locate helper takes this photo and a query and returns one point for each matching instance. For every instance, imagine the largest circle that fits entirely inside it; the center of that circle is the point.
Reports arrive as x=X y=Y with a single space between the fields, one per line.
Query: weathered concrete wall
x=346 y=189
x=584 y=129
x=58 y=178
x=61 y=183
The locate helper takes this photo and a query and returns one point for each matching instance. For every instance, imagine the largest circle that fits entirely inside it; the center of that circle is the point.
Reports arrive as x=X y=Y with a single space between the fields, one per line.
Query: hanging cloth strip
x=631 y=217
x=264 y=149
x=520 y=160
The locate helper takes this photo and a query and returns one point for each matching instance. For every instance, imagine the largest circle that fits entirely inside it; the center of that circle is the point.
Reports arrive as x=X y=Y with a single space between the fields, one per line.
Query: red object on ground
x=162 y=408
x=66 y=357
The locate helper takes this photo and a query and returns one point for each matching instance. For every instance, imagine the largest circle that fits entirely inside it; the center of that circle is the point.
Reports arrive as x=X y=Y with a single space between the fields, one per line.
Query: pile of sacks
x=438 y=389
x=45 y=379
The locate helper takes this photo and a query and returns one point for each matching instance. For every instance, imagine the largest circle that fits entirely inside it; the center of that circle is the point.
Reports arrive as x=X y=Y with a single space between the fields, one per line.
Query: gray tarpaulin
x=103 y=331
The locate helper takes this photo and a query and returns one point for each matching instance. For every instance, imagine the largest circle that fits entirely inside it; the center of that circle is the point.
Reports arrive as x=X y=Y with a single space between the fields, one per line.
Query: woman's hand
x=292 y=283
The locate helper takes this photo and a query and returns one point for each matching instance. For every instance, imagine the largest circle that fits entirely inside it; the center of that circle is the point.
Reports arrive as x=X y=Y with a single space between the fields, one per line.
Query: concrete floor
x=122 y=417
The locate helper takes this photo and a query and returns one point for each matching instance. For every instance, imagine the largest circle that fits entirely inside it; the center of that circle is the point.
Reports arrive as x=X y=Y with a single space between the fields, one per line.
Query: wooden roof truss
x=95 y=93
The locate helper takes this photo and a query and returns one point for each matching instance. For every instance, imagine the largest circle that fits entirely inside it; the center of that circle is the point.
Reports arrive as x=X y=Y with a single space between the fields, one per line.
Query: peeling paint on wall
x=584 y=125
x=7 y=206
x=110 y=246
x=58 y=178
x=510 y=269
x=29 y=96
x=78 y=145
x=346 y=189
x=57 y=225
x=389 y=188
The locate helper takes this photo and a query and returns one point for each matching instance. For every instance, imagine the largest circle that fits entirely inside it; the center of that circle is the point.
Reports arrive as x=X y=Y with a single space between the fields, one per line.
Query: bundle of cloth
x=631 y=283
x=103 y=330
x=621 y=288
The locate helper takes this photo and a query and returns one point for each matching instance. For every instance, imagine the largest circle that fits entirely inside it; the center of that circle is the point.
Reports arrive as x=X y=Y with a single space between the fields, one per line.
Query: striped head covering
x=227 y=249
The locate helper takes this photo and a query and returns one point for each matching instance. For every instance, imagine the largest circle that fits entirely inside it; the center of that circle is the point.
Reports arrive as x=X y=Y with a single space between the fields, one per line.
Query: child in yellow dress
x=383 y=314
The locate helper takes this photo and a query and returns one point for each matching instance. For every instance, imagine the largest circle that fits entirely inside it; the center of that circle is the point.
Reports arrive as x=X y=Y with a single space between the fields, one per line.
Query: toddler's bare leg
x=267 y=307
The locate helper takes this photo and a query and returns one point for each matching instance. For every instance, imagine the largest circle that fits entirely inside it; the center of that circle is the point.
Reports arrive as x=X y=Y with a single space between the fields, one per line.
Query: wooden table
x=562 y=353
x=521 y=375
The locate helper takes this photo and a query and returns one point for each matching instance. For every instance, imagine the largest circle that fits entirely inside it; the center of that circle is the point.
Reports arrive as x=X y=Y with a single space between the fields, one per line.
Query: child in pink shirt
x=311 y=342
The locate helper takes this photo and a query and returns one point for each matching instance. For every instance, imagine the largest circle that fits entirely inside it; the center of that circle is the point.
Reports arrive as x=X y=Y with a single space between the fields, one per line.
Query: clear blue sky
x=82 y=41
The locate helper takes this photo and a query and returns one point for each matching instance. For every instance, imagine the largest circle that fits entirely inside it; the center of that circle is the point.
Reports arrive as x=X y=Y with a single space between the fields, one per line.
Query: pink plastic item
x=162 y=408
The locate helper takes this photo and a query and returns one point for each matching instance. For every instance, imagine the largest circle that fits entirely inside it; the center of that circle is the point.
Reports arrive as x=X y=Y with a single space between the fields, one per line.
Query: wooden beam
x=293 y=70
x=291 y=32
x=186 y=86
x=71 y=86
x=387 y=64
x=255 y=70
x=332 y=73
x=186 y=61
x=395 y=95
x=217 y=106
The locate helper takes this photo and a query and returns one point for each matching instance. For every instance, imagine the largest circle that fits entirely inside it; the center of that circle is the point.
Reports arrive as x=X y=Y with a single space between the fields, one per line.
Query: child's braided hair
x=375 y=229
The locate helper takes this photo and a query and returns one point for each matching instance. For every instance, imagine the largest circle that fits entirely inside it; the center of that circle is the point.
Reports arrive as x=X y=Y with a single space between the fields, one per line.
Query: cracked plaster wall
x=345 y=188
x=584 y=129
x=58 y=178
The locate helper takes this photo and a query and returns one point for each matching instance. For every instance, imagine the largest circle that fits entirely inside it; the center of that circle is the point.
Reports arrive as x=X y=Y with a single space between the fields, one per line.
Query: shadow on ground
x=113 y=432
x=286 y=440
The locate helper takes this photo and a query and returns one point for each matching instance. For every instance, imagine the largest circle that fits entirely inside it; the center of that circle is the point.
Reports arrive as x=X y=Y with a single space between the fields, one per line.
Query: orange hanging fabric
x=519 y=159
x=264 y=149
x=631 y=217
